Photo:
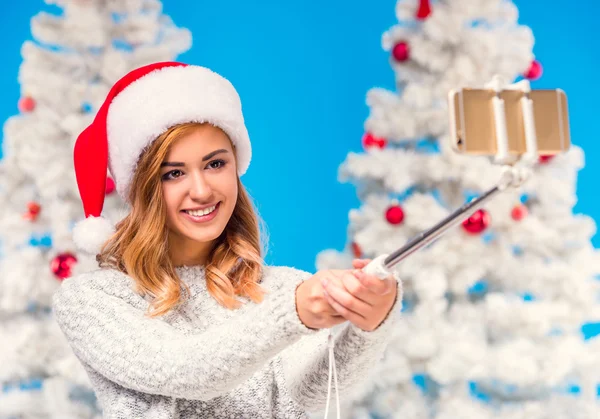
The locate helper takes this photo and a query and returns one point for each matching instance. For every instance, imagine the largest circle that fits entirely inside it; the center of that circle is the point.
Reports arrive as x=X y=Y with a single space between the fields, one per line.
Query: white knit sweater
x=203 y=360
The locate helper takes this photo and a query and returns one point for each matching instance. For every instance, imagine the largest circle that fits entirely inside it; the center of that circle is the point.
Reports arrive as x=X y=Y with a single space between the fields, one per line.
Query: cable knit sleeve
x=304 y=366
x=149 y=355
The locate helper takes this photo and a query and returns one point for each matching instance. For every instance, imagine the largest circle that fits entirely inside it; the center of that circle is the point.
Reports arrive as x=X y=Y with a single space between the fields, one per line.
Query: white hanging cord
x=331 y=345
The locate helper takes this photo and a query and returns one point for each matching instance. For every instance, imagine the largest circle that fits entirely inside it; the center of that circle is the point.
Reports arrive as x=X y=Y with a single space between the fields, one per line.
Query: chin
x=204 y=238
x=206 y=234
x=197 y=234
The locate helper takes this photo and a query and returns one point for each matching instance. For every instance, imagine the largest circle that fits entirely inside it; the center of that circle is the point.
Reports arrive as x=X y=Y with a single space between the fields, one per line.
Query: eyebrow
x=207 y=157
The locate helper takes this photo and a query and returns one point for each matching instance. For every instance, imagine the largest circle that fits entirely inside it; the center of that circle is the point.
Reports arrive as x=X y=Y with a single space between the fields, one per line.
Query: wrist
x=300 y=312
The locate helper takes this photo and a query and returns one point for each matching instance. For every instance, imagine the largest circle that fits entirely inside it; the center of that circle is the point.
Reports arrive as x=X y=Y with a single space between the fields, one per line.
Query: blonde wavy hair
x=139 y=246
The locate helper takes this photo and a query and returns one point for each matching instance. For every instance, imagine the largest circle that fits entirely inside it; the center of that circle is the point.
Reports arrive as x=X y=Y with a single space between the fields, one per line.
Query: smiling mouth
x=200 y=213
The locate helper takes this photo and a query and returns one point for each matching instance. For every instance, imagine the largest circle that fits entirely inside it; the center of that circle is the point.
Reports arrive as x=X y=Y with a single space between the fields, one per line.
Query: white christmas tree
x=66 y=73
x=499 y=314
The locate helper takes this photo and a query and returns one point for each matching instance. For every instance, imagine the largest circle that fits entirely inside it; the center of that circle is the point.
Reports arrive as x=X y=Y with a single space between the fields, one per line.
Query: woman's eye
x=216 y=164
x=169 y=175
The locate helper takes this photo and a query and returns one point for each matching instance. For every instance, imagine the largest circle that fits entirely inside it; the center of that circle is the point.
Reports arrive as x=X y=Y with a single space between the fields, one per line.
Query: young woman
x=182 y=319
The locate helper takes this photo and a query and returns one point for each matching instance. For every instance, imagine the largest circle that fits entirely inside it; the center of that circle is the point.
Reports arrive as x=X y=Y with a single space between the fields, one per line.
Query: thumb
x=360 y=263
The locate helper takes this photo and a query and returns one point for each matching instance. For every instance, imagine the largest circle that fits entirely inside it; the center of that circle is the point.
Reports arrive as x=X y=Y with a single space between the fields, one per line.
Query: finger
x=329 y=277
x=343 y=298
x=391 y=283
x=360 y=263
x=353 y=285
x=337 y=273
x=342 y=277
x=375 y=284
x=346 y=314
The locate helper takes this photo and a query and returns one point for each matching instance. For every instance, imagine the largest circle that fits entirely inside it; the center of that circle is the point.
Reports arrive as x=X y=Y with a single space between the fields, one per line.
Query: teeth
x=200 y=213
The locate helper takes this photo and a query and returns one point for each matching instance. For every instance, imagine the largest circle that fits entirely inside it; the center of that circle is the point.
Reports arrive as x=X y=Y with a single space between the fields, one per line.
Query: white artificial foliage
x=495 y=354
x=75 y=59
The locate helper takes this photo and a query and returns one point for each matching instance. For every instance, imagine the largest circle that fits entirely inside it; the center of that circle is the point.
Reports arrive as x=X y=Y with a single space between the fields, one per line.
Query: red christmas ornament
x=477 y=222
x=535 y=71
x=401 y=51
x=356 y=250
x=519 y=212
x=369 y=140
x=424 y=9
x=26 y=104
x=545 y=159
x=110 y=186
x=394 y=214
x=62 y=265
x=33 y=210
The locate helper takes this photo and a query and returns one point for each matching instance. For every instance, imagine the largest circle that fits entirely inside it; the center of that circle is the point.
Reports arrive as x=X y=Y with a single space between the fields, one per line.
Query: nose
x=200 y=188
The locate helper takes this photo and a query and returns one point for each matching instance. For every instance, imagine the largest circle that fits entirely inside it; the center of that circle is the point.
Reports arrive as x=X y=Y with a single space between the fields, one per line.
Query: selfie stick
x=512 y=176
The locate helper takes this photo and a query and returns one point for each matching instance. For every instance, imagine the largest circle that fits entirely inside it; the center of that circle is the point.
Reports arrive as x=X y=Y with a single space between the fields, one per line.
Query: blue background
x=303 y=70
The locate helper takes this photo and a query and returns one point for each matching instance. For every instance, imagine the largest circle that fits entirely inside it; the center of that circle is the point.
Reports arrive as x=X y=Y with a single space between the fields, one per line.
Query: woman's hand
x=313 y=309
x=364 y=300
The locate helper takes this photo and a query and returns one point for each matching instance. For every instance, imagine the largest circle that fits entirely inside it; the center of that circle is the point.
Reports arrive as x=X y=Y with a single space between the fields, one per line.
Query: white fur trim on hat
x=90 y=234
x=166 y=97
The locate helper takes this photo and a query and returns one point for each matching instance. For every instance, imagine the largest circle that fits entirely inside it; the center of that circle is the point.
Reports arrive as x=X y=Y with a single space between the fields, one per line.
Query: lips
x=201 y=212
x=202 y=218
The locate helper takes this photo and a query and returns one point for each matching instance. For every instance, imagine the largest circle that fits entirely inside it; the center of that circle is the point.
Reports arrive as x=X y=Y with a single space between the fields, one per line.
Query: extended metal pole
x=428 y=236
x=381 y=265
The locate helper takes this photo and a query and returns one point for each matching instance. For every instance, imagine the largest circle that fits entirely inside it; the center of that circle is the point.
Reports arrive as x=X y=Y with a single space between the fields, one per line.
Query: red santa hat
x=140 y=107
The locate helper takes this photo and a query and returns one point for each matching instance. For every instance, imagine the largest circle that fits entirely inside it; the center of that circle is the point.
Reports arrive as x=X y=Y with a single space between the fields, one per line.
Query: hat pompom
x=90 y=234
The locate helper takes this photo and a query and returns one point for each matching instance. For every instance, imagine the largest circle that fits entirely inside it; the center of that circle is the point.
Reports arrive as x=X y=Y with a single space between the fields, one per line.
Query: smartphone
x=472 y=125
